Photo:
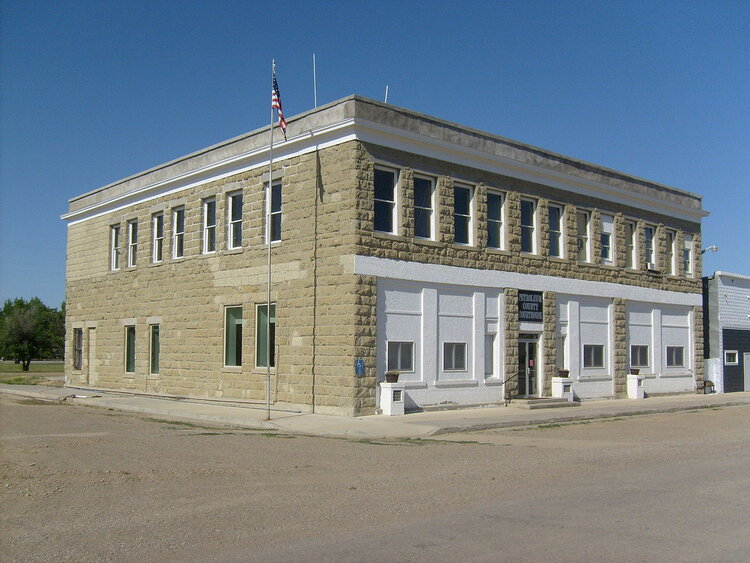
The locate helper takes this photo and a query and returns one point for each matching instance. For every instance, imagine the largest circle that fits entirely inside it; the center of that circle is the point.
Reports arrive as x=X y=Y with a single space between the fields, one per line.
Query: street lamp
x=712 y=248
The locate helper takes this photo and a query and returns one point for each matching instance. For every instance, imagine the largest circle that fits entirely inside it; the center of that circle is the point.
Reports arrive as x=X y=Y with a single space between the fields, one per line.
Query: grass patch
x=179 y=423
x=22 y=380
x=38 y=367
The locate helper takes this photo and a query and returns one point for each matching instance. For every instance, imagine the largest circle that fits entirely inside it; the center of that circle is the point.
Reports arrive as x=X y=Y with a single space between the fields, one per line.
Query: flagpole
x=268 y=240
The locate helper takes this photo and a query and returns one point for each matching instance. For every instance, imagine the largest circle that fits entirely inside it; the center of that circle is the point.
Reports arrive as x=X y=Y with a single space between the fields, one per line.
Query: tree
x=30 y=330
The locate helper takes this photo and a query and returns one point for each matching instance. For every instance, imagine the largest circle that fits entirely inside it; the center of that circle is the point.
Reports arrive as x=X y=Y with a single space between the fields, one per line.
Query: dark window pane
x=527 y=213
x=276 y=198
x=462 y=229
x=493 y=206
x=276 y=226
x=527 y=239
x=554 y=218
x=384 y=183
x=493 y=235
x=554 y=244
x=383 y=216
x=237 y=207
x=422 y=192
x=422 y=222
x=461 y=200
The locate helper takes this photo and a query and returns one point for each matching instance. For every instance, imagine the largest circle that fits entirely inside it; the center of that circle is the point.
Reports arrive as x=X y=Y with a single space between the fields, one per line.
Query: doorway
x=746 y=361
x=528 y=365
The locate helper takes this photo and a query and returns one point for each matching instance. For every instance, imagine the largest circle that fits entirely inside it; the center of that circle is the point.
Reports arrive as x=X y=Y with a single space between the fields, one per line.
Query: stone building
x=727 y=329
x=474 y=265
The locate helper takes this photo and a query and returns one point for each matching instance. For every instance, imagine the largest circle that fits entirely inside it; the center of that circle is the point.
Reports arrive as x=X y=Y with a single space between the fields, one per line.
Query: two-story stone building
x=474 y=265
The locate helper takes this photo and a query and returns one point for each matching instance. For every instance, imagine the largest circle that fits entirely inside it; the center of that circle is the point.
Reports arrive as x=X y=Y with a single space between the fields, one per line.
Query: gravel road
x=84 y=484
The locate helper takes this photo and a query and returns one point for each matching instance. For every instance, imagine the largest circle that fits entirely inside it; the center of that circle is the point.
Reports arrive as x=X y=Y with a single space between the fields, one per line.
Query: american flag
x=276 y=103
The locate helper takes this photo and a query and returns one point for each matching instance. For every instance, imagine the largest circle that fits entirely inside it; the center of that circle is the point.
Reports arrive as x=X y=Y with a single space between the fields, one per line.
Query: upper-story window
x=584 y=240
x=234 y=220
x=274 y=213
x=462 y=204
x=132 y=243
x=607 y=239
x=650 y=236
x=114 y=247
x=495 y=206
x=424 y=217
x=178 y=232
x=555 y=230
x=385 y=200
x=670 y=265
x=157 y=237
x=528 y=225
x=209 y=225
x=687 y=255
x=631 y=247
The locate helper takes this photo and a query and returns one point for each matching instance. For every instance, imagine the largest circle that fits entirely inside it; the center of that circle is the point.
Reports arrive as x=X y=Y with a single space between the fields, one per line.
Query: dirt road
x=81 y=484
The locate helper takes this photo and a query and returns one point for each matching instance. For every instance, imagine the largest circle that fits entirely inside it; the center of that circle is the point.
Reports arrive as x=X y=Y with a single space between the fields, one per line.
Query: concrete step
x=542 y=403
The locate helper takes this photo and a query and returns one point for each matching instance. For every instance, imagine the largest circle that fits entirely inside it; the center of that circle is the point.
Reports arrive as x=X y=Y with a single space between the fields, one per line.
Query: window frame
x=114 y=247
x=585 y=356
x=640 y=347
x=391 y=204
x=496 y=224
x=234 y=224
x=727 y=358
x=157 y=238
x=77 y=349
x=631 y=245
x=132 y=254
x=154 y=349
x=671 y=252
x=272 y=214
x=649 y=250
x=468 y=216
x=420 y=209
x=455 y=346
x=130 y=349
x=232 y=338
x=209 y=229
x=178 y=232
x=399 y=344
x=607 y=232
x=669 y=359
x=583 y=240
x=530 y=229
x=687 y=255
x=556 y=234
x=272 y=346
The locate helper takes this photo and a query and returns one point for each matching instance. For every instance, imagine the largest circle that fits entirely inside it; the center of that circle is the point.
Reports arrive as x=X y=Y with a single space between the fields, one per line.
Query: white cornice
x=309 y=141
x=407 y=141
x=453 y=275
x=397 y=138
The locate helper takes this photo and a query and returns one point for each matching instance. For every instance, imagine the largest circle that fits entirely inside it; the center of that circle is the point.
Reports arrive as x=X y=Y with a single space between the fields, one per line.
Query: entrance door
x=746 y=361
x=528 y=365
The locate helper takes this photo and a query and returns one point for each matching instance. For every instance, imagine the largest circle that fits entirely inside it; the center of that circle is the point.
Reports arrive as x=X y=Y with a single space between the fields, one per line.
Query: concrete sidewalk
x=413 y=425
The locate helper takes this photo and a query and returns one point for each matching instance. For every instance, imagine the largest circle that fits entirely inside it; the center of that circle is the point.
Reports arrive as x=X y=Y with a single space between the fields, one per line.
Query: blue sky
x=93 y=91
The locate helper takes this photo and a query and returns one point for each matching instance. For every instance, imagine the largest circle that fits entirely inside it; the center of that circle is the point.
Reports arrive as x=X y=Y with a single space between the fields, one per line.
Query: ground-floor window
x=489 y=355
x=593 y=356
x=731 y=358
x=155 y=345
x=400 y=356
x=77 y=348
x=130 y=349
x=233 y=336
x=265 y=339
x=675 y=356
x=454 y=356
x=639 y=356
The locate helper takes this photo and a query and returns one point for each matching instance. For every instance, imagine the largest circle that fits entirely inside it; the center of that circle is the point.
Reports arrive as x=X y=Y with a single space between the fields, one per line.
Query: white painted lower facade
x=430 y=313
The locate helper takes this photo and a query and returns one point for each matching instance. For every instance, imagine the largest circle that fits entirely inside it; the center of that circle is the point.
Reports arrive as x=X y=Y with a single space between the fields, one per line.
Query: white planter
x=635 y=387
x=562 y=388
x=392 y=398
